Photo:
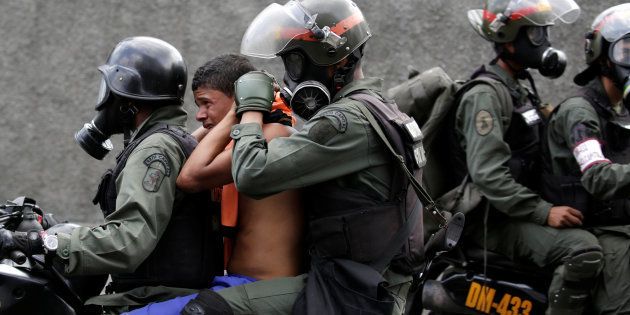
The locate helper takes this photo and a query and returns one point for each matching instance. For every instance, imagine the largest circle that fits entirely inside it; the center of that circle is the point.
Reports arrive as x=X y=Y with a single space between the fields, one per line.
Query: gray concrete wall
x=49 y=51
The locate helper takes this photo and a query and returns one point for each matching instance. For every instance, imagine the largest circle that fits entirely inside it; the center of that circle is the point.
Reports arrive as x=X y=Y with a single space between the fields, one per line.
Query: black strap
x=410 y=223
x=422 y=194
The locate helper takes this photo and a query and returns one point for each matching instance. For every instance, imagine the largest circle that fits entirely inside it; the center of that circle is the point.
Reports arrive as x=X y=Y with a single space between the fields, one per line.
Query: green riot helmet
x=525 y=23
x=145 y=69
x=310 y=36
x=501 y=20
x=608 y=38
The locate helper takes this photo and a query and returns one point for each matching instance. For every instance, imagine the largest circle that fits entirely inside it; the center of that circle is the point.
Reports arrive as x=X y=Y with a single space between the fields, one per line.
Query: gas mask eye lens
x=620 y=51
x=103 y=93
x=294 y=65
x=537 y=35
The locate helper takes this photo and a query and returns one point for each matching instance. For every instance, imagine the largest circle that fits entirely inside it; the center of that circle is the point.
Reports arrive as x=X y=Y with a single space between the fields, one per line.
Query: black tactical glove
x=279 y=117
x=254 y=91
x=30 y=243
x=207 y=302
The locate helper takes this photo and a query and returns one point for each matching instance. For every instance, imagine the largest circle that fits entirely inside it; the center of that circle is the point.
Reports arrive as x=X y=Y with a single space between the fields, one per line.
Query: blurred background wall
x=49 y=51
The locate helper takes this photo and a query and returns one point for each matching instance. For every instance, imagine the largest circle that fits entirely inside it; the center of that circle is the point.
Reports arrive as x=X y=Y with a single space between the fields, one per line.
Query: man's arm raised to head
x=210 y=165
x=206 y=168
x=200 y=133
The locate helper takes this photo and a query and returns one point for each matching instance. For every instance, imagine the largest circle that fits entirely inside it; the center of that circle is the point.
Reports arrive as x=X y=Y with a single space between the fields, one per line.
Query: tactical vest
x=569 y=191
x=522 y=136
x=346 y=222
x=189 y=253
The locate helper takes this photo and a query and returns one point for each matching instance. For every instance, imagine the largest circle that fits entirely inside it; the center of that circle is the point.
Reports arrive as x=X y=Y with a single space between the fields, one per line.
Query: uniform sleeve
x=582 y=132
x=330 y=145
x=146 y=193
x=483 y=121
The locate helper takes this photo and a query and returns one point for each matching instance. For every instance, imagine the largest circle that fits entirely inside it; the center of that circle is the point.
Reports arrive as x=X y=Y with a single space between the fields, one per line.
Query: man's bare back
x=269 y=237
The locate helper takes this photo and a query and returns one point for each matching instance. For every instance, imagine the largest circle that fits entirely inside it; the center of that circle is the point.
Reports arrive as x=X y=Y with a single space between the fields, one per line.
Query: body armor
x=189 y=253
x=352 y=224
x=522 y=136
x=568 y=190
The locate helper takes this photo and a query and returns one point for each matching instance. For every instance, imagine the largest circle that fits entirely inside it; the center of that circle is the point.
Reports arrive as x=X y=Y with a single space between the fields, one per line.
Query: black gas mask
x=619 y=56
x=533 y=50
x=114 y=115
x=309 y=87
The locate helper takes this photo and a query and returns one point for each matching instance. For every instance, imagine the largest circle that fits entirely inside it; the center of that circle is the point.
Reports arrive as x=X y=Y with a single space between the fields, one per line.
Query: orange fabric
x=279 y=103
x=229 y=217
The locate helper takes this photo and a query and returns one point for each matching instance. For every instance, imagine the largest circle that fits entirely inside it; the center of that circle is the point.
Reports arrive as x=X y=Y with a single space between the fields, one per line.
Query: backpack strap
x=366 y=101
x=422 y=194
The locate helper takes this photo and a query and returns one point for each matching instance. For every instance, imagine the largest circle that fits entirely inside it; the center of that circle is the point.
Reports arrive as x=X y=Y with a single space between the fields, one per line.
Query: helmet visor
x=275 y=27
x=543 y=12
x=620 y=51
x=614 y=22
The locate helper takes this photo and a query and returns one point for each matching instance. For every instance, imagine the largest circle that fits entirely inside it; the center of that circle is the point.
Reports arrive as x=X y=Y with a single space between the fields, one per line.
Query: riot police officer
x=588 y=151
x=147 y=220
x=352 y=186
x=495 y=142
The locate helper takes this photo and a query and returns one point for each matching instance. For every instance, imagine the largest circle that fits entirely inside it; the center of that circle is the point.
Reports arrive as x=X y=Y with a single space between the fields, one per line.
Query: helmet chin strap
x=128 y=114
x=344 y=75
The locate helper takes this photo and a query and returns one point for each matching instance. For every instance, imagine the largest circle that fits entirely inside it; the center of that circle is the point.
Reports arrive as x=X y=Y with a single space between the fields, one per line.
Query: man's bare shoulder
x=275 y=130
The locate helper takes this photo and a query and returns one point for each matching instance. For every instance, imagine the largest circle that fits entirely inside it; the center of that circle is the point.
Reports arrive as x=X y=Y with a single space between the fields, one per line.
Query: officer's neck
x=141 y=116
x=358 y=72
x=509 y=66
x=613 y=92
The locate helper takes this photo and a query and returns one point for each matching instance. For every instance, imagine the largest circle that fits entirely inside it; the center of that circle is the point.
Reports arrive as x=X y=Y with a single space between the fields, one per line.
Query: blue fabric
x=174 y=306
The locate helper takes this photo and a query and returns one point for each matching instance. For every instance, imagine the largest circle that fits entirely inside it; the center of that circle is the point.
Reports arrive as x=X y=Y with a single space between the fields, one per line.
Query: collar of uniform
x=374 y=84
x=597 y=86
x=171 y=115
x=621 y=118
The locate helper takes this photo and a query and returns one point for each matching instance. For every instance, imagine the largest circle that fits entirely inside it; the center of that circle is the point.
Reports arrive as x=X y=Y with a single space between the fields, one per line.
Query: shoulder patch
x=339 y=119
x=322 y=131
x=161 y=159
x=483 y=122
x=158 y=167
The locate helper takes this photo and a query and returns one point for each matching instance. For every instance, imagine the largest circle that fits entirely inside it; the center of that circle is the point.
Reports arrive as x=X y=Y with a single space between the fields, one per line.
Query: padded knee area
x=583 y=264
x=207 y=302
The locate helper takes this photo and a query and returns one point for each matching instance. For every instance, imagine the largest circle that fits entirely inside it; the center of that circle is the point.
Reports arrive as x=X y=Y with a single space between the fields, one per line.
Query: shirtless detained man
x=269 y=231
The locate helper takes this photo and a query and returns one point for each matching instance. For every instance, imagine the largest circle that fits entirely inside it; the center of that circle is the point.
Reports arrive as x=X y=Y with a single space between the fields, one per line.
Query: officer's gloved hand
x=254 y=91
x=30 y=243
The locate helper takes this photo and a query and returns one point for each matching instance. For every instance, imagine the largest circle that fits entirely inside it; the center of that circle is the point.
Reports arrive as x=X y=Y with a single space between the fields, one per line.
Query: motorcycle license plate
x=485 y=299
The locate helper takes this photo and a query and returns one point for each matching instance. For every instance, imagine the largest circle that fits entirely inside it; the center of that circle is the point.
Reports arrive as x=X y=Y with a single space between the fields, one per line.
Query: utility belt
x=568 y=191
x=361 y=235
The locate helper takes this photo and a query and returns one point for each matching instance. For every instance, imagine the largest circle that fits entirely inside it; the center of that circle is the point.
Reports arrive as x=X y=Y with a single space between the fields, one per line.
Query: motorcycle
x=471 y=280
x=456 y=279
x=34 y=284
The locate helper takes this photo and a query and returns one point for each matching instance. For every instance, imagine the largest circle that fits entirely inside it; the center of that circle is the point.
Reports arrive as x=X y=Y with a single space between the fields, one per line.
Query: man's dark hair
x=221 y=72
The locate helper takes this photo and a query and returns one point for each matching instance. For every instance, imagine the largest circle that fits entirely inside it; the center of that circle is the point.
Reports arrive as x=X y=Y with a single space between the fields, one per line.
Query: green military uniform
x=574 y=119
x=337 y=146
x=146 y=193
x=517 y=215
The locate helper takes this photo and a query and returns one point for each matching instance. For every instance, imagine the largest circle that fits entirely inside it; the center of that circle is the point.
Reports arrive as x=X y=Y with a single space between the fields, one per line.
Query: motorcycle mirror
x=447 y=237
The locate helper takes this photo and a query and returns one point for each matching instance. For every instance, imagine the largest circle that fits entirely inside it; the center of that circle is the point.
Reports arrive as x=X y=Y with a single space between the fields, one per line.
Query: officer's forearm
x=607 y=180
x=110 y=248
